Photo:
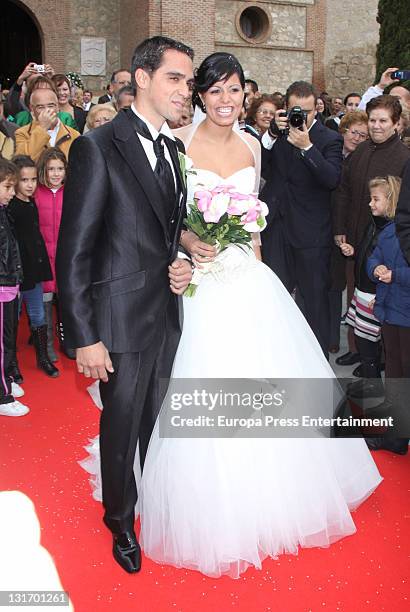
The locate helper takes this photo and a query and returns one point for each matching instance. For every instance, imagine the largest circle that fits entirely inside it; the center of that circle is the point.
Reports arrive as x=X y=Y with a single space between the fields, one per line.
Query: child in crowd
x=11 y=276
x=389 y=269
x=367 y=327
x=23 y=215
x=52 y=167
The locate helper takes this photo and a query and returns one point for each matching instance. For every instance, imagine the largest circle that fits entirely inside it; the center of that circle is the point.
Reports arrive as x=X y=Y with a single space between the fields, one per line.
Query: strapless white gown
x=220 y=505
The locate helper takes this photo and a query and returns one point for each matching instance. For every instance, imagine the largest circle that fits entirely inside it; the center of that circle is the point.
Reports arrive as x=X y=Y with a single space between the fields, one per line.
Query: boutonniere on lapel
x=186 y=164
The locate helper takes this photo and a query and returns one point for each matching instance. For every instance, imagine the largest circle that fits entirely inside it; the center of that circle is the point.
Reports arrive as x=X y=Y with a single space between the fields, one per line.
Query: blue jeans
x=33 y=299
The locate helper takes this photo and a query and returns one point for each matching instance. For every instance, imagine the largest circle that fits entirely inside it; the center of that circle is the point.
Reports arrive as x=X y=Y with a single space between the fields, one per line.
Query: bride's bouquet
x=222 y=216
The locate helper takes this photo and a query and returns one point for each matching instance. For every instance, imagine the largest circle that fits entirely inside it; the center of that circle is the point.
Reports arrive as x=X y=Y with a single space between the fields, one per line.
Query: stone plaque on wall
x=93 y=56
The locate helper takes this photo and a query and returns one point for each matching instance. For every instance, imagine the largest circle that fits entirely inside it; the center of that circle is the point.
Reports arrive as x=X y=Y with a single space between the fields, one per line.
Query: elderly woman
x=65 y=103
x=353 y=128
x=261 y=112
x=382 y=154
x=100 y=114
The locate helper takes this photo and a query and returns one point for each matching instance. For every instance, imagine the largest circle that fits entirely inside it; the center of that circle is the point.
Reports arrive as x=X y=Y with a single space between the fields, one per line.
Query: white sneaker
x=16 y=390
x=13 y=409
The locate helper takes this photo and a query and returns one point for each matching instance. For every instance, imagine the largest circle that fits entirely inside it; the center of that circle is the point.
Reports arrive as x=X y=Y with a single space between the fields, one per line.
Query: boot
x=70 y=353
x=13 y=369
x=370 y=385
x=48 y=310
x=40 y=345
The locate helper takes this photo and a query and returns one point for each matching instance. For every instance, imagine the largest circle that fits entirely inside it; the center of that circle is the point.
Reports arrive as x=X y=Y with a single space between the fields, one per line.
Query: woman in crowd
x=261 y=112
x=99 y=114
x=353 y=128
x=63 y=87
x=24 y=117
x=381 y=154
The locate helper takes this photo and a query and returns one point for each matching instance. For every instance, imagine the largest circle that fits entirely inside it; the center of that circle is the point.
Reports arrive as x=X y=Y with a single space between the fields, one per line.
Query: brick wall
x=331 y=41
x=316 y=26
x=53 y=20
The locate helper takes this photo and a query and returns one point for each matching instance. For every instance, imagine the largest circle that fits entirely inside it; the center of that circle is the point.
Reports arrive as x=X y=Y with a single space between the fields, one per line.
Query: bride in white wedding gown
x=220 y=505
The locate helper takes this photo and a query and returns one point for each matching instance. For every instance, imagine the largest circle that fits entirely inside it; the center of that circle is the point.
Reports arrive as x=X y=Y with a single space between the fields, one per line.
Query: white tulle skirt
x=220 y=505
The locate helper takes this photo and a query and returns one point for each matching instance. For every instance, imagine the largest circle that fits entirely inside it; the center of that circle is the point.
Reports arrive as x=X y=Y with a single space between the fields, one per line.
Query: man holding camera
x=302 y=162
x=15 y=98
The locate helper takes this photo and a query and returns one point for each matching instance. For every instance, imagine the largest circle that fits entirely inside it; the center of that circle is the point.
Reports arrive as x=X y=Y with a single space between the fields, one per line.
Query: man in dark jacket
x=382 y=155
x=119 y=232
x=301 y=170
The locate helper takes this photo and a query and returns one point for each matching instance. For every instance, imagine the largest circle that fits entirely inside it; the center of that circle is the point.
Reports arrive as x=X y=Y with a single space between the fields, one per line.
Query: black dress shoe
x=358 y=372
x=400 y=446
x=348 y=359
x=127 y=551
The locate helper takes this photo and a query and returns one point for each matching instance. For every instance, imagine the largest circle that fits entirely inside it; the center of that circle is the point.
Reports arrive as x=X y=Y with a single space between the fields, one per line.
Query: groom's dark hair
x=148 y=55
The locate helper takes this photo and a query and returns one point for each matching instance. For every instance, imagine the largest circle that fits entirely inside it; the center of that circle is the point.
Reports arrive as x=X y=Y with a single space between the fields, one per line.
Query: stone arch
x=20 y=40
x=52 y=18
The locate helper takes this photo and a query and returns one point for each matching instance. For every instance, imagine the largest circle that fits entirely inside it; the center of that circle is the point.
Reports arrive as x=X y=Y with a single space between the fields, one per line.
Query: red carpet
x=39 y=454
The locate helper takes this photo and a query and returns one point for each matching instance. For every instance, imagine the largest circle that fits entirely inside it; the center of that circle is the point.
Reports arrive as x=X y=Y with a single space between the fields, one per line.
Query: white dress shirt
x=148 y=145
x=53 y=134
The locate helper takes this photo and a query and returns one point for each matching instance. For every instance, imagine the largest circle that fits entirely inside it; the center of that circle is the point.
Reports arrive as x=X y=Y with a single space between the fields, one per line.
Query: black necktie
x=162 y=169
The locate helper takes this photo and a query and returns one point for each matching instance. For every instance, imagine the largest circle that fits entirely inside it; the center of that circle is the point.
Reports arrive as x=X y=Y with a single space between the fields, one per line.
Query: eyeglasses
x=356 y=134
x=41 y=107
x=265 y=112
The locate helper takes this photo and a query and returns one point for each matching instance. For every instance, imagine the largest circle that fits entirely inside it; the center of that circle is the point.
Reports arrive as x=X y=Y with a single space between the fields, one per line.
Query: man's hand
x=47 y=118
x=299 y=139
x=28 y=70
x=347 y=249
x=94 y=361
x=379 y=271
x=386 y=80
x=281 y=120
x=201 y=252
x=339 y=239
x=180 y=275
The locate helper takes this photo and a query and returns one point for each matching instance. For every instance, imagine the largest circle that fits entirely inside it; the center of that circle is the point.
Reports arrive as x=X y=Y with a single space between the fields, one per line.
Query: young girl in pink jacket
x=52 y=167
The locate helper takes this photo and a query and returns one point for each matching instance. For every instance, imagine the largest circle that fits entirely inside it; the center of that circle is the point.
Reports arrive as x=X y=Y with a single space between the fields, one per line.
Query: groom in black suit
x=301 y=167
x=124 y=204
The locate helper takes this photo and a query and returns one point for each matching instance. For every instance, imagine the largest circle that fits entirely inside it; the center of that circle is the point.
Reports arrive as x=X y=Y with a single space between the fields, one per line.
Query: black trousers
x=8 y=321
x=397 y=349
x=132 y=398
x=335 y=314
x=307 y=270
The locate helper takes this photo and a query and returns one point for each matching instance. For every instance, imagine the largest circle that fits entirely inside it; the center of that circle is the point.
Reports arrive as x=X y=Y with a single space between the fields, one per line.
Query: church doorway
x=20 y=41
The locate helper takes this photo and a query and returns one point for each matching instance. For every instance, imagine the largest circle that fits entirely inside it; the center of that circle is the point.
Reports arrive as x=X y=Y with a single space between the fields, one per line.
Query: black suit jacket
x=116 y=241
x=298 y=187
x=104 y=99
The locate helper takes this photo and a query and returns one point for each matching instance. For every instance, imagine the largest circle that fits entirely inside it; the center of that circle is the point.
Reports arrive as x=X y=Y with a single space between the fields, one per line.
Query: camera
x=403 y=75
x=297 y=117
x=40 y=67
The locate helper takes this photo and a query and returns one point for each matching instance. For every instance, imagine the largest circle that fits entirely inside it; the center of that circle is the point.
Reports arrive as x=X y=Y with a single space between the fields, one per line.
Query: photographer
x=15 y=98
x=301 y=165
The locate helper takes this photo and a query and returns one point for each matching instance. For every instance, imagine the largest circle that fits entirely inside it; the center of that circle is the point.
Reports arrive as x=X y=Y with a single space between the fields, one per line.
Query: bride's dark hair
x=219 y=66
